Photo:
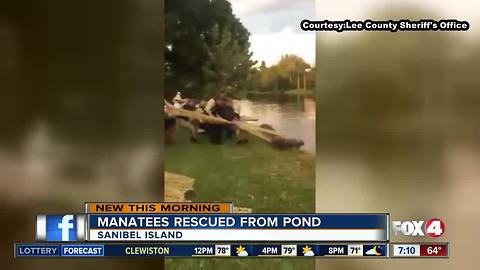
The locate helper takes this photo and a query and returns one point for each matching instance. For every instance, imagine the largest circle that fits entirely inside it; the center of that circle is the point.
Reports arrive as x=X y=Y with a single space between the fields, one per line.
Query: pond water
x=292 y=117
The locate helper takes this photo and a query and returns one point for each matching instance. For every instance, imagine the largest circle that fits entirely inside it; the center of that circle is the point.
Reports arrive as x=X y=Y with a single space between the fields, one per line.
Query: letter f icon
x=65 y=226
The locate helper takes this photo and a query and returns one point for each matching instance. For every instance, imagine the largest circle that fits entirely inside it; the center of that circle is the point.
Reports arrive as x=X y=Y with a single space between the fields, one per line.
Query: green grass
x=254 y=175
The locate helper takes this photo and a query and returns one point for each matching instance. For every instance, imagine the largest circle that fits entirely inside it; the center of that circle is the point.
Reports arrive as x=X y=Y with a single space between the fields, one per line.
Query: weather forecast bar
x=357 y=250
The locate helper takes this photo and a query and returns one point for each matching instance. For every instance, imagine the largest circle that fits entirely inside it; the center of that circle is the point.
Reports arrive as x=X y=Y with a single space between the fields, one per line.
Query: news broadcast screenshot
x=239 y=134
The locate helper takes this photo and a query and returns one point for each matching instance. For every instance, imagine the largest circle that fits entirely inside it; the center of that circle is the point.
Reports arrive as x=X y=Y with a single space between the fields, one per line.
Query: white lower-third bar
x=236 y=235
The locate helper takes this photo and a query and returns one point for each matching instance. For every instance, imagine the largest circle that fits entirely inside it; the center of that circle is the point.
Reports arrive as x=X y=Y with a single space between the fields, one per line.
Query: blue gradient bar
x=237 y=221
x=192 y=250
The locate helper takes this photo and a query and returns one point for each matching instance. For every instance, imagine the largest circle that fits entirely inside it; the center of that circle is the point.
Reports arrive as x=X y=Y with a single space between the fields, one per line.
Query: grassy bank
x=254 y=175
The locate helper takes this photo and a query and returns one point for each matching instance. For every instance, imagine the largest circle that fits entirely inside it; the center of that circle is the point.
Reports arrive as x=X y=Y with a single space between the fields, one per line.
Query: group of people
x=218 y=106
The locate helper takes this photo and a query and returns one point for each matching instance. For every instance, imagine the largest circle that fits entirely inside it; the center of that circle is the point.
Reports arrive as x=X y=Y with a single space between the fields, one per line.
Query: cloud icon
x=243 y=254
x=309 y=253
x=241 y=251
x=373 y=251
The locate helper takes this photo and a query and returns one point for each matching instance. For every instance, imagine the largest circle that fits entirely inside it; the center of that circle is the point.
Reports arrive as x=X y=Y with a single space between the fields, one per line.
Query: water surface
x=294 y=118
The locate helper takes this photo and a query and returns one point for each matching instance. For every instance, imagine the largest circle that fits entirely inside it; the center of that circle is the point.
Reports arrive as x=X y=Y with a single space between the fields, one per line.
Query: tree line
x=291 y=72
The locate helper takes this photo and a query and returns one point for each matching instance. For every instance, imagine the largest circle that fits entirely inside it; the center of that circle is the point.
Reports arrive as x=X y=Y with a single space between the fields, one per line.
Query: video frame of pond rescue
x=80 y=114
x=397 y=125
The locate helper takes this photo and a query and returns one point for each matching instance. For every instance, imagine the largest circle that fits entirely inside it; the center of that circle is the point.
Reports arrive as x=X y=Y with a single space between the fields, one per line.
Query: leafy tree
x=207 y=48
x=291 y=65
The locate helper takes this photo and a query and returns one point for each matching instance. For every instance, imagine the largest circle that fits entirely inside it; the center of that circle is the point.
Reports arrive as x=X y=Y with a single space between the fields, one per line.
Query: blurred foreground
x=397 y=131
x=80 y=114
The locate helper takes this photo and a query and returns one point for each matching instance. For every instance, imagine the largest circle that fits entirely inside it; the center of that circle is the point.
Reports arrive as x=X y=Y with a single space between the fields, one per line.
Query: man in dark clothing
x=227 y=112
x=214 y=130
x=224 y=109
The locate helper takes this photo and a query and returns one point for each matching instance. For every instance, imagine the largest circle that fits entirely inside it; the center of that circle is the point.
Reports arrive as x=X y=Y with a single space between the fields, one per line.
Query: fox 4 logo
x=433 y=227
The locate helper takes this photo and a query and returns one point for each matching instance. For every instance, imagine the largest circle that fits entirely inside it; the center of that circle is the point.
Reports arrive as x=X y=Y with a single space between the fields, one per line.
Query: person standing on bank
x=178 y=101
x=184 y=121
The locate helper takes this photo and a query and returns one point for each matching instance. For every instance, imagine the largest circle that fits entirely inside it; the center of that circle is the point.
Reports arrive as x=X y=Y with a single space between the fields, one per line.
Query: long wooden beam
x=265 y=134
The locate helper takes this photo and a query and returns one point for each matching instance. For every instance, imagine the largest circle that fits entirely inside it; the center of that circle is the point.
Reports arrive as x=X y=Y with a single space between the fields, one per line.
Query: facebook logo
x=60 y=228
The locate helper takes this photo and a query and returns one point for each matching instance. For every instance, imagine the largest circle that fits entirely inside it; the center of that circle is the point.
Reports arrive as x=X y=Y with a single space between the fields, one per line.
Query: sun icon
x=241 y=252
x=306 y=249
x=240 y=249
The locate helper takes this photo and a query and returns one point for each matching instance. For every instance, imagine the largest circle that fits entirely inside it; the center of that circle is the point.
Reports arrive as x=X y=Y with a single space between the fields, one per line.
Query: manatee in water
x=285 y=143
x=267 y=126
